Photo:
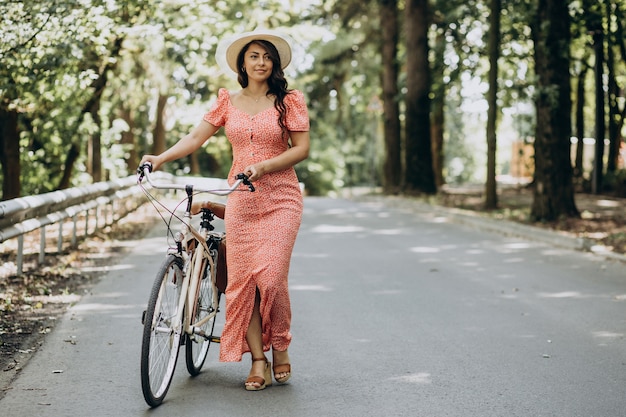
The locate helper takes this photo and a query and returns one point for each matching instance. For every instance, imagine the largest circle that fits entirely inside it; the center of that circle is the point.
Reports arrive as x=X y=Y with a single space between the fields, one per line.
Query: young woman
x=268 y=127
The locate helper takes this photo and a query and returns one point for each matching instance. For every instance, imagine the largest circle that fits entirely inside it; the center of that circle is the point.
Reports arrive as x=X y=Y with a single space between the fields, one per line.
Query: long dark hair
x=276 y=82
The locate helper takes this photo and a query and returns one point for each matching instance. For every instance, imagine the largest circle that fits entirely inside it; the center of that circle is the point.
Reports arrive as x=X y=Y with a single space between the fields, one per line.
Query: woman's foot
x=282 y=367
x=260 y=376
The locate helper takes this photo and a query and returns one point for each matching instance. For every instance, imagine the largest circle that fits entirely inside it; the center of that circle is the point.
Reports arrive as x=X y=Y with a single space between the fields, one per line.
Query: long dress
x=261 y=226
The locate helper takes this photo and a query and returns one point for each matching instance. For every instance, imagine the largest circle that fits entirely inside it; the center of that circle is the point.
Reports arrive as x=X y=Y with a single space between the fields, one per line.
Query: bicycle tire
x=197 y=346
x=161 y=336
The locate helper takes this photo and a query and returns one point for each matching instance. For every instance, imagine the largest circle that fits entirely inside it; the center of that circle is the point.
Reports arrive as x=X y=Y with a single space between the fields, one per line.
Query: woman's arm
x=217 y=208
x=299 y=151
x=185 y=146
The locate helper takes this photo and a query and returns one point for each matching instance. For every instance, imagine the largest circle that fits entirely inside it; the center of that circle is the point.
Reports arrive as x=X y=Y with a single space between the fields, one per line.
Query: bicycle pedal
x=143 y=317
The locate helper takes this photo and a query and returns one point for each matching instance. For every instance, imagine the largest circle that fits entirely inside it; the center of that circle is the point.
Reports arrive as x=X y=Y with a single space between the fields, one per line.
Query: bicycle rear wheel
x=161 y=332
x=197 y=345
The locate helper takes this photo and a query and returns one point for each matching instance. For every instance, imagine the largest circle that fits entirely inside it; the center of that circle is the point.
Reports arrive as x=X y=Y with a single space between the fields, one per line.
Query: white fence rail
x=107 y=201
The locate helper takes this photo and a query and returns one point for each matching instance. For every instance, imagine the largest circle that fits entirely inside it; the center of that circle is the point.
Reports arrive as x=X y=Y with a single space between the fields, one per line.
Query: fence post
x=42 y=245
x=74 y=238
x=60 y=240
x=20 y=255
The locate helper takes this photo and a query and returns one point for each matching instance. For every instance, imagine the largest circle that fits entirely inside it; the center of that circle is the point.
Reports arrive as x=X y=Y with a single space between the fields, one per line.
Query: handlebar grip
x=141 y=169
x=244 y=178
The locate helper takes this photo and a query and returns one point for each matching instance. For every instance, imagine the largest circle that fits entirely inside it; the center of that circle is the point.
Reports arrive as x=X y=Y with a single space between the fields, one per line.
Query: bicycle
x=184 y=300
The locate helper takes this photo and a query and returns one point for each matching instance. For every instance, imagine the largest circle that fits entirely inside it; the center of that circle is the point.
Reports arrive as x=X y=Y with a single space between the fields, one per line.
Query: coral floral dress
x=261 y=226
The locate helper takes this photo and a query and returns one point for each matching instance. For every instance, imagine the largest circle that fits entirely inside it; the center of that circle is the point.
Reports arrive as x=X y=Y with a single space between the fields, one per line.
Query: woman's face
x=257 y=63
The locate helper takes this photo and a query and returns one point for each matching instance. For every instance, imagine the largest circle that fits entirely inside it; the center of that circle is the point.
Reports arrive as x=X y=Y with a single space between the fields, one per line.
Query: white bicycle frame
x=193 y=276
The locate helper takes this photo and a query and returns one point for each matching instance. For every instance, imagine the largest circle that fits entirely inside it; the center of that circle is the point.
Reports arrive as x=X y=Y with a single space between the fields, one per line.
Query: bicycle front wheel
x=162 y=332
x=197 y=344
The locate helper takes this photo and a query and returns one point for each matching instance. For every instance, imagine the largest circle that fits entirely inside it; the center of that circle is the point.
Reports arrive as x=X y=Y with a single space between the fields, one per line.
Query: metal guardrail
x=112 y=200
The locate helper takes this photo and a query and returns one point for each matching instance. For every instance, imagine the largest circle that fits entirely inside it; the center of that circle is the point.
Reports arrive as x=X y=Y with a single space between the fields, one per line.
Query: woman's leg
x=282 y=366
x=255 y=343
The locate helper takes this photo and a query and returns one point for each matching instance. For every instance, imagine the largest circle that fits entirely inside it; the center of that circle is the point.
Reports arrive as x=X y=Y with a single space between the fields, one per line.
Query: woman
x=268 y=128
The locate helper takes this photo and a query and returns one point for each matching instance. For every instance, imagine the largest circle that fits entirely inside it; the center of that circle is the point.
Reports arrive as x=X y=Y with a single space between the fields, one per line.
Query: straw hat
x=229 y=48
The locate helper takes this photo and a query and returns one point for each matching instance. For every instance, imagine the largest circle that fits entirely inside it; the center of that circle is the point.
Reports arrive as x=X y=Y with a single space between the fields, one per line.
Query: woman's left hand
x=255 y=172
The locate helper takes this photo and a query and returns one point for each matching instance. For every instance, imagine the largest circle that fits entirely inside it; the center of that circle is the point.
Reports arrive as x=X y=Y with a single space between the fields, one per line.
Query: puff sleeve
x=217 y=114
x=297 y=118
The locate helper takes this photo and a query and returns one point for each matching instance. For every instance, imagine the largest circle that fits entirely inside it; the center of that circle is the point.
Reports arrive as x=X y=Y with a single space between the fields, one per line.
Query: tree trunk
x=392 y=166
x=419 y=175
x=159 y=145
x=580 y=120
x=593 y=20
x=194 y=163
x=70 y=160
x=598 y=162
x=553 y=191
x=437 y=128
x=614 y=125
x=10 y=154
x=95 y=144
x=491 y=192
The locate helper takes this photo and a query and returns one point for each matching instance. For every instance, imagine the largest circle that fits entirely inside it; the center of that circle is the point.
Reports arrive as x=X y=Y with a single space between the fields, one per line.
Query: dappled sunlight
x=429 y=260
x=420 y=378
x=112 y=294
x=607 y=335
x=102 y=307
x=608 y=203
x=330 y=228
x=336 y=211
x=528 y=336
x=107 y=268
x=555 y=252
x=563 y=294
x=388 y=232
x=425 y=249
x=517 y=245
x=514 y=260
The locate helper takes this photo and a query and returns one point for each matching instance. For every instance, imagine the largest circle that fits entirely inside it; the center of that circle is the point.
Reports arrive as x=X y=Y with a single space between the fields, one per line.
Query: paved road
x=397 y=312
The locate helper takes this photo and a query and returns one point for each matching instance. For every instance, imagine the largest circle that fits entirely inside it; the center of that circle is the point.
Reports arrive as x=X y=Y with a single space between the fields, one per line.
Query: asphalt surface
x=398 y=310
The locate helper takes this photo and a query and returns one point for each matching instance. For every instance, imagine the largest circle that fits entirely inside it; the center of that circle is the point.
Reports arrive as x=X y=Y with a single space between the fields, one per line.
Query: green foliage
x=54 y=52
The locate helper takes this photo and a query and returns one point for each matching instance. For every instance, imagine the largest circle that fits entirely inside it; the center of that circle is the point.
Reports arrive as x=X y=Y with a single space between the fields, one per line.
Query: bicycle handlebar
x=145 y=169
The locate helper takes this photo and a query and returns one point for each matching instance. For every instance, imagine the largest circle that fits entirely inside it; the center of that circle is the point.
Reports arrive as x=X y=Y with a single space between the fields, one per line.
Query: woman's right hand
x=153 y=160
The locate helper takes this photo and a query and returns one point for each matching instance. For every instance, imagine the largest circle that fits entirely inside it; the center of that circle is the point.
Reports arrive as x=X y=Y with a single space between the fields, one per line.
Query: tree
x=419 y=175
x=9 y=153
x=553 y=195
x=615 y=41
x=593 y=18
x=491 y=195
x=392 y=166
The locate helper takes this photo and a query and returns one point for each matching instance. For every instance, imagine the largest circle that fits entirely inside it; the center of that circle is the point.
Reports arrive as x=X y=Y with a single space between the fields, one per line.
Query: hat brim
x=228 y=49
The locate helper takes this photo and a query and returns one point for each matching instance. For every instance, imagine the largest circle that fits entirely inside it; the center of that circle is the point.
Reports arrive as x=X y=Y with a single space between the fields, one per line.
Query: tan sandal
x=262 y=382
x=282 y=369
